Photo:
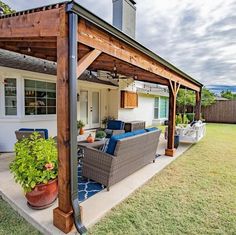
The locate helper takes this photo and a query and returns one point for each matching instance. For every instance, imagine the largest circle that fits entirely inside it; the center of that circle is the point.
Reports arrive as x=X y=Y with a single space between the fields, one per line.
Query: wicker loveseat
x=131 y=153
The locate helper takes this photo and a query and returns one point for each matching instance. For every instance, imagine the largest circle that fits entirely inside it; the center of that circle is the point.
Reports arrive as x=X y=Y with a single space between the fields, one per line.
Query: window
x=163 y=107
x=10 y=96
x=40 y=97
x=156 y=108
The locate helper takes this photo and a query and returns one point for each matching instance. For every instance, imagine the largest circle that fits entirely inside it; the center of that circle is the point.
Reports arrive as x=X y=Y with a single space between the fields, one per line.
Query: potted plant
x=80 y=126
x=100 y=135
x=106 y=119
x=35 y=168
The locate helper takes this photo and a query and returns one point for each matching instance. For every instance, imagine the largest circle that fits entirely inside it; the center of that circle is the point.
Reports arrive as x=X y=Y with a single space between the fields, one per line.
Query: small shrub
x=178 y=119
x=101 y=134
x=35 y=162
x=80 y=124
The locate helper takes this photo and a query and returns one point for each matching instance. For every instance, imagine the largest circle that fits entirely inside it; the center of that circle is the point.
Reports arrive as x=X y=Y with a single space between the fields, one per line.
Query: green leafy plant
x=100 y=134
x=178 y=119
x=185 y=119
x=35 y=162
x=80 y=124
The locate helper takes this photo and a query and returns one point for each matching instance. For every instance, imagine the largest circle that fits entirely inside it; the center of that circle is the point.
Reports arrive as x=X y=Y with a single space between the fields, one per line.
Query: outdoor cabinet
x=128 y=100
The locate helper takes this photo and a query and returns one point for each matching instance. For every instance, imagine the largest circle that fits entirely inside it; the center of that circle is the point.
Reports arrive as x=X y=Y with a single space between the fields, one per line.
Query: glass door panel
x=95 y=109
x=84 y=106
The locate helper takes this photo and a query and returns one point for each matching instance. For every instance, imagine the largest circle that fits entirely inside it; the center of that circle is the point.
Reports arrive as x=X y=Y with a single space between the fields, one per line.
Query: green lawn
x=196 y=194
x=11 y=223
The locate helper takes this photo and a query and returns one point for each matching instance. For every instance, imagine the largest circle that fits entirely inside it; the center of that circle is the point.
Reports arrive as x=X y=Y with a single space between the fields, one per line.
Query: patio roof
x=77 y=40
x=29 y=63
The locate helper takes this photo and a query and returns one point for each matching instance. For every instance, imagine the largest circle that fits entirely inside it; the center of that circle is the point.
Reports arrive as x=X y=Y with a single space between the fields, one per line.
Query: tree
x=228 y=95
x=208 y=97
x=6 y=8
x=187 y=98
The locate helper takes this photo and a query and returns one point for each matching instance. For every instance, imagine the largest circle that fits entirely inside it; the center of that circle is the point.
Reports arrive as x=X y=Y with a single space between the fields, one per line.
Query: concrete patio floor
x=94 y=208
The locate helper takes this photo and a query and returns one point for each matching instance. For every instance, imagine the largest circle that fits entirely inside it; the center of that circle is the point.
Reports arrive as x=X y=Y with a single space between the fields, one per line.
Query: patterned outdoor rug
x=87 y=188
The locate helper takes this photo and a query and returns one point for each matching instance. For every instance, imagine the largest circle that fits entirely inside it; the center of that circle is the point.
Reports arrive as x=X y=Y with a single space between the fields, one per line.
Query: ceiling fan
x=114 y=75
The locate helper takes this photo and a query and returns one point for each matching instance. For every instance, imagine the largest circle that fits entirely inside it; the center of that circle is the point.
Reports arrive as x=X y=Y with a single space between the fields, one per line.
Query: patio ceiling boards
x=77 y=40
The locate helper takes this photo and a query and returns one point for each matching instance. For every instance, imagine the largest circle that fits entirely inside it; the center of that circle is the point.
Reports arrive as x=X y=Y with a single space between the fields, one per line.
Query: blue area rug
x=87 y=188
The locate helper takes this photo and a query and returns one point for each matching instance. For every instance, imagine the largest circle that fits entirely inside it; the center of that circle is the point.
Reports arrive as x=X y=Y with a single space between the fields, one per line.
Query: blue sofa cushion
x=151 y=129
x=45 y=132
x=113 y=141
x=138 y=132
x=115 y=125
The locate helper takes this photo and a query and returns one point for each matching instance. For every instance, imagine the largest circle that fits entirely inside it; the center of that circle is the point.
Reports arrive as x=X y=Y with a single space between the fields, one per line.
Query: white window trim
x=35 y=117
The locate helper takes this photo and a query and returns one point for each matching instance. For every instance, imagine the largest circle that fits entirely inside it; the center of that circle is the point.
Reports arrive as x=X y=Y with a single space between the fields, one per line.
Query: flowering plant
x=35 y=162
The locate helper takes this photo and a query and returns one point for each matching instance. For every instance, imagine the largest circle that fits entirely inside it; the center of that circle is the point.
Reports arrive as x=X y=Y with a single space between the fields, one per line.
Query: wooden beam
x=87 y=60
x=36 y=24
x=63 y=215
x=173 y=91
x=198 y=105
x=170 y=150
x=94 y=37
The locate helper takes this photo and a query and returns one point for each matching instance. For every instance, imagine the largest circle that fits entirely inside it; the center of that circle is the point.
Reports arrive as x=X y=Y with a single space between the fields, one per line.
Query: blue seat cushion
x=151 y=129
x=45 y=132
x=113 y=141
x=138 y=132
x=115 y=125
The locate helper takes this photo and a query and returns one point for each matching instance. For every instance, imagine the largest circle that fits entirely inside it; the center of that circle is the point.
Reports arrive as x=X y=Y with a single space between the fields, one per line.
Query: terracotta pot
x=43 y=195
x=81 y=131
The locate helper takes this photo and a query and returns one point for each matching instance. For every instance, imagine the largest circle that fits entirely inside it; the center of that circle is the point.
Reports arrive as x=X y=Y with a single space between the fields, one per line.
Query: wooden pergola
x=78 y=40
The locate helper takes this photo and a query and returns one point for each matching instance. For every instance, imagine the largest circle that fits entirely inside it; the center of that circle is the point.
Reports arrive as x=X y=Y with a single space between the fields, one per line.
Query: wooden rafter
x=95 y=38
x=86 y=61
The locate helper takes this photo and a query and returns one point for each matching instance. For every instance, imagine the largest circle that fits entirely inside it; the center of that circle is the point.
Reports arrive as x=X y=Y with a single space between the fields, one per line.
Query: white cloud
x=197 y=36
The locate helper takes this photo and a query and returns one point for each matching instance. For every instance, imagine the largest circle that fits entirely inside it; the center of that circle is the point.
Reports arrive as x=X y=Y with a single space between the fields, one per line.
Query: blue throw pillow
x=151 y=129
x=138 y=132
x=113 y=141
x=105 y=146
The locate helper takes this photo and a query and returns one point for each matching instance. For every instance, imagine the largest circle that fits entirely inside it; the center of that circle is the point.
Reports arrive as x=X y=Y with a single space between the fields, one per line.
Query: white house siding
x=144 y=111
x=8 y=124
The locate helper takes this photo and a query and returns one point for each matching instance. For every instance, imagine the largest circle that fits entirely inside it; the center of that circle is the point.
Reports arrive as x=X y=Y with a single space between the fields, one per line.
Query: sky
x=199 y=37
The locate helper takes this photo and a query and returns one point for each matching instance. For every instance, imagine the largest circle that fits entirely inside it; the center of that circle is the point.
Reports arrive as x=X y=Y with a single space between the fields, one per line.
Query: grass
x=196 y=194
x=12 y=223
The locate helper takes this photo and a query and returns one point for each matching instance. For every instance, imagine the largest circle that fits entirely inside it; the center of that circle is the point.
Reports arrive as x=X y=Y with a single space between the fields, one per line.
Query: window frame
x=35 y=116
x=156 y=97
x=4 y=98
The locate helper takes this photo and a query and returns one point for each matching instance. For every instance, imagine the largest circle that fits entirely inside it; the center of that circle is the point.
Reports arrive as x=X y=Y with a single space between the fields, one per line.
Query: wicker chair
x=130 y=155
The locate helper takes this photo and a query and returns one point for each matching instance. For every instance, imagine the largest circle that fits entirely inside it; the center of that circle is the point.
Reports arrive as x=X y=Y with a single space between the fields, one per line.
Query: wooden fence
x=220 y=112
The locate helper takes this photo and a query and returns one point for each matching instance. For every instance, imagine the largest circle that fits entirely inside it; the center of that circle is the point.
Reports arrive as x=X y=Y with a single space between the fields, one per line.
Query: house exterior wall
x=145 y=109
x=8 y=124
x=109 y=105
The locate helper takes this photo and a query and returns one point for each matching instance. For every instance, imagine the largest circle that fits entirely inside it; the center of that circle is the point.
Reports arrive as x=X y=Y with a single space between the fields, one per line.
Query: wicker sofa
x=130 y=154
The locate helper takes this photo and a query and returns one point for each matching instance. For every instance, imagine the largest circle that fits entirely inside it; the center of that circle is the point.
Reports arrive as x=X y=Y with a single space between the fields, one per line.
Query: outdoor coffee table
x=84 y=144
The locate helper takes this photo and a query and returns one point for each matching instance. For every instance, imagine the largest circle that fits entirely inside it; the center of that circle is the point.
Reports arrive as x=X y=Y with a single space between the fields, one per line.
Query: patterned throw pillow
x=105 y=146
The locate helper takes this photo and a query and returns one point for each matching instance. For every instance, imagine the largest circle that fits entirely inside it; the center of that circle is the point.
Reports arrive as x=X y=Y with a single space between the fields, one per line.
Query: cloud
x=196 y=36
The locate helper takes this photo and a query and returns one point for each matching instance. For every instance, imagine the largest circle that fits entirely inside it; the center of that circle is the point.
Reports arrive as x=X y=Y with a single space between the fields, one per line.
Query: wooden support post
x=173 y=91
x=198 y=105
x=63 y=215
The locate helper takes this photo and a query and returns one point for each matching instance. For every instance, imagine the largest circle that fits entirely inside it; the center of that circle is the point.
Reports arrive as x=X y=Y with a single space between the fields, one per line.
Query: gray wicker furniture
x=26 y=134
x=130 y=155
x=134 y=125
